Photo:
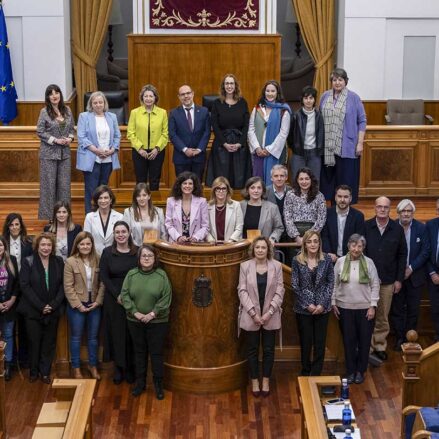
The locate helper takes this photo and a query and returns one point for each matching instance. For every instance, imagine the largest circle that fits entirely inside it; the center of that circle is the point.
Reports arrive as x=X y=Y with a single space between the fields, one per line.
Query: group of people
x=328 y=140
x=362 y=271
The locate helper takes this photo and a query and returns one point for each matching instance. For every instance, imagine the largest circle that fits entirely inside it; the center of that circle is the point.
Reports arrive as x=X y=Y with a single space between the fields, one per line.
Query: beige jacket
x=75 y=283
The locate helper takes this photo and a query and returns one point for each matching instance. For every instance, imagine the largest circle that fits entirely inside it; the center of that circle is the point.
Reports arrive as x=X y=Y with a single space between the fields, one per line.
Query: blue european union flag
x=8 y=94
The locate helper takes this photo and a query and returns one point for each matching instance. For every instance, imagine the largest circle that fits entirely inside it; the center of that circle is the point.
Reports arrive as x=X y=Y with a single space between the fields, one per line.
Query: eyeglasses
x=406 y=211
x=186 y=94
x=220 y=189
x=147 y=256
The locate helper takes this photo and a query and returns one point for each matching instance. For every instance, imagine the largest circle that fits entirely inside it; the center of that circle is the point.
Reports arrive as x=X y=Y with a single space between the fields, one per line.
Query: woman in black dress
x=230 y=156
x=115 y=263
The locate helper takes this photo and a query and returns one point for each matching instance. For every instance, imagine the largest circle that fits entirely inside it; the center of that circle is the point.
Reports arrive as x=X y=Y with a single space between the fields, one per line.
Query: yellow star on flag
x=7 y=45
x=3 y=88
x=12 y=84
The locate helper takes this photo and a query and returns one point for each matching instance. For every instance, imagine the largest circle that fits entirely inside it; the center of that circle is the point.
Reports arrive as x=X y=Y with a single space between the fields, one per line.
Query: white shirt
x=341 y=223
x=15 y=249
x=88 y=274
x=103 y=135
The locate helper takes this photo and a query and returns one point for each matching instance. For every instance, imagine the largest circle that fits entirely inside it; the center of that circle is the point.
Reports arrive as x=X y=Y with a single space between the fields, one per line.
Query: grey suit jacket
x=50 y=129
x=270 y=221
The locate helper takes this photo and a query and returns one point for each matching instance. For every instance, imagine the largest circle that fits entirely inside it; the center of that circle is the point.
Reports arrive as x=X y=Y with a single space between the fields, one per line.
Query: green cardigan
x=145 y=292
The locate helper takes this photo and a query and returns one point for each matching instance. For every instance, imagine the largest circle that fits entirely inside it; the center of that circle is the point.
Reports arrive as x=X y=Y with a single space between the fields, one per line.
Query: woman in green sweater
x=146 y=296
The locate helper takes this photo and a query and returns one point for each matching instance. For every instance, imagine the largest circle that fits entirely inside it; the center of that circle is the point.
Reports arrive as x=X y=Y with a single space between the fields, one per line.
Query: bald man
x=386 y=246
x=189 y=131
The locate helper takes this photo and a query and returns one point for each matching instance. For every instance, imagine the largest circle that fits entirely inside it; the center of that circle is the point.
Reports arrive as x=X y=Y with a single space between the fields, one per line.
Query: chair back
x=405 y=111
x=116 y=104
x=208 y=101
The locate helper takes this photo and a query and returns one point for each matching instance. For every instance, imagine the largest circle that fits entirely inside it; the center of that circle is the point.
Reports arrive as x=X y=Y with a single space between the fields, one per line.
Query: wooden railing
x=70 y=416
x=397 y=161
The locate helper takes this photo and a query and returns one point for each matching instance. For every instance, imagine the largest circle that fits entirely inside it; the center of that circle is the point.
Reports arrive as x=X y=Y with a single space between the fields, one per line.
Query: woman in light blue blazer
x=98 y=145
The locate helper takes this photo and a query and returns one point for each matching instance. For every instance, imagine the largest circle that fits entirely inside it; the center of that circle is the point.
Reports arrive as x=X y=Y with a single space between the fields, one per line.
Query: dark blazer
x=296 y=136
x=26 y=250
x=354 y=224
x=431 y=233
x=71 y=235
x=419 y=253
x=35 y=294
x=306 y=291
x=270 y=193
x=12 y=289
x=182 y=137
x=388 y=251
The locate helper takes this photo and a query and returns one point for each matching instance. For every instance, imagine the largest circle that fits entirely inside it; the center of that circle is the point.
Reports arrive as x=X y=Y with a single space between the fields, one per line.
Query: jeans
x=99 y=175
x=7 y=329
x=77 y=322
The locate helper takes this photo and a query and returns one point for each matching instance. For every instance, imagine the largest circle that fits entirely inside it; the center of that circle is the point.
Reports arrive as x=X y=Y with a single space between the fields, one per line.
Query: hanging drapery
x=89 y=27
x=317 y=23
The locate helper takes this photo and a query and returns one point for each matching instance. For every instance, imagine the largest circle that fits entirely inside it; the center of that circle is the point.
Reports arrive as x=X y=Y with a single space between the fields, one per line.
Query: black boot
x=8 y=372
x=139 y=387
x=118 y=375
x=158 y=386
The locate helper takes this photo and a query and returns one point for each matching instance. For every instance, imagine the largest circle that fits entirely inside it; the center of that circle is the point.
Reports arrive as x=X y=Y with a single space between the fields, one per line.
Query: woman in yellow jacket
x=148 y=134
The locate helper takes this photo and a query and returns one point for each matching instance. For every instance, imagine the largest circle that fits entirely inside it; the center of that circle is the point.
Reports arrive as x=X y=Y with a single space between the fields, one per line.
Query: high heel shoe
x=94 y=372
x=265 y=387
x=256 y=391
x=77 y=373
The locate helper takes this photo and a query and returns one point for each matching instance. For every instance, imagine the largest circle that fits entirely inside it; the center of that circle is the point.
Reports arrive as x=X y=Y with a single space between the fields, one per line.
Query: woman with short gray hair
x=98 y=145
x=354 y=300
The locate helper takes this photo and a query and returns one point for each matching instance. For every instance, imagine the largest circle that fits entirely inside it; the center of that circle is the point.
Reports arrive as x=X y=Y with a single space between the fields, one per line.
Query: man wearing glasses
x=405 y=304
x=189 y=131
x=386 y=246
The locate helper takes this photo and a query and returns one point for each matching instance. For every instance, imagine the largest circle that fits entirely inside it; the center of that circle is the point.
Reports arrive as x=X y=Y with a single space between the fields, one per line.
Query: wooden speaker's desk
x=203 y=353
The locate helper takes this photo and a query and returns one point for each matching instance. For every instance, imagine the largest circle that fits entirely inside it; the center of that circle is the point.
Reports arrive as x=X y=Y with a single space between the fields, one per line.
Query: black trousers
x=357 y=333
x=42 y=344
x=405 y=309
x=148 y=171
x=148 y=339
x=196 y=168
x=253 y=340
x=312 y=335
x=433 y=291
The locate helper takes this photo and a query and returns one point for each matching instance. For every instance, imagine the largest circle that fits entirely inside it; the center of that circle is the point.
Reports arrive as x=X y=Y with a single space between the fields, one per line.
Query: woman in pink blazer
x=261 y=293
x=186 y=211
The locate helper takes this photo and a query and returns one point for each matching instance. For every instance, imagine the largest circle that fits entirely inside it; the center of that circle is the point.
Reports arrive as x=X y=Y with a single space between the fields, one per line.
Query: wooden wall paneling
x=168 y=61
x=29 y=111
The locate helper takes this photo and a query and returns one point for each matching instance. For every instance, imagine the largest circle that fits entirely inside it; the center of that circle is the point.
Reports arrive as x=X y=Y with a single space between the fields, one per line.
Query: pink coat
x=199 y=221
x=249 y=296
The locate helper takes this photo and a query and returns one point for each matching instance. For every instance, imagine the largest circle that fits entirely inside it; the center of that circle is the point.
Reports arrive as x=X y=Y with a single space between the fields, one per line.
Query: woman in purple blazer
x=187 y=219
x=261 y=293
x=345 y=127
x=98 y=145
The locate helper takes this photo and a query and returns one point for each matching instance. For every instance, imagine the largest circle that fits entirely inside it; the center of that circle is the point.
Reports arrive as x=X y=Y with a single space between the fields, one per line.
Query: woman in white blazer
x=100 y=223
x=143 y=215
x=98 y=145
x=225 y=215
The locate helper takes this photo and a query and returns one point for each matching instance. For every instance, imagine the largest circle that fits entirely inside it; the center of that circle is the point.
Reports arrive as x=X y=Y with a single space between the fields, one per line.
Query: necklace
x=220 y=209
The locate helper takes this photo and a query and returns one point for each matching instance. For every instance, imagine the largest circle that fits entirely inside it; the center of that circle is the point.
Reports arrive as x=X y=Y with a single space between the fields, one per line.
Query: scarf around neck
x=363 y=277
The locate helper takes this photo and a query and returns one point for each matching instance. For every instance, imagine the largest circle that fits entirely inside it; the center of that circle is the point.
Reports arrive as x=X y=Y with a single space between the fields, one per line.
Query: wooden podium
x=203 y=353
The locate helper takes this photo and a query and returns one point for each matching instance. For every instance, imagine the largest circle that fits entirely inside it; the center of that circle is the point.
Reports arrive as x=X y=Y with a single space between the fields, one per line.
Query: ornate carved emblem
x=246 y=18
x=202 y=294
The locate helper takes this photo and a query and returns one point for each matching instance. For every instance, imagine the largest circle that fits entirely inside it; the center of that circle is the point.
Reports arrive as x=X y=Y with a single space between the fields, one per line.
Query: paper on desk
x=334 y=412
x=355 y=435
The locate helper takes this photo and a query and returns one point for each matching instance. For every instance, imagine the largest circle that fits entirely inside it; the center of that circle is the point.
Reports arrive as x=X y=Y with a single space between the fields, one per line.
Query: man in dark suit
x=342 y=221
x=387 y=247
x=405 y=304
x=432 y=235
x=276 y=194
x=189 y=131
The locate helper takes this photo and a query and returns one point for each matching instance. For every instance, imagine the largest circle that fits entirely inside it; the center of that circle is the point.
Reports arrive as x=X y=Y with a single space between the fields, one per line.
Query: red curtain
x=204 y=14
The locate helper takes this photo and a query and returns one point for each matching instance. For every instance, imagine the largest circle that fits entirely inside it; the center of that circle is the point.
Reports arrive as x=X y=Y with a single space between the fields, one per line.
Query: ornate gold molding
x=205 y=18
